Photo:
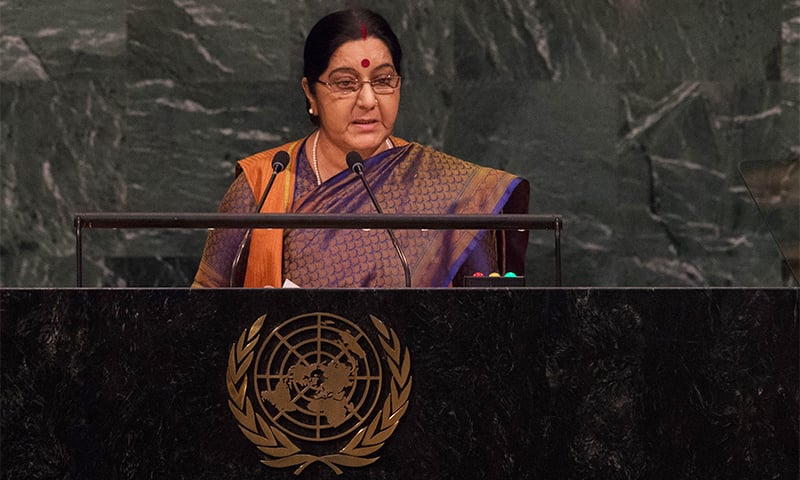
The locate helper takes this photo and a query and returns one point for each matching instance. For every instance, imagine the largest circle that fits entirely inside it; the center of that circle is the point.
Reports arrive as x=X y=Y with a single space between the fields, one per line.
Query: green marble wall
x=629 y=117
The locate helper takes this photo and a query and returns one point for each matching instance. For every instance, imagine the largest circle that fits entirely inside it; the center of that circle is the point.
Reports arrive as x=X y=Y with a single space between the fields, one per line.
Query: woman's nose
x=366 y=96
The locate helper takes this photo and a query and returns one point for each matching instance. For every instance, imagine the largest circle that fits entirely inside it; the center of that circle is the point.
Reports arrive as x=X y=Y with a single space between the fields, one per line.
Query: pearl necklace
x=315 y=163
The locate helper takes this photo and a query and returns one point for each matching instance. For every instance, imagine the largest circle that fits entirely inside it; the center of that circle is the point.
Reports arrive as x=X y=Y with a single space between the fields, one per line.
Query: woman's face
x=360 y=121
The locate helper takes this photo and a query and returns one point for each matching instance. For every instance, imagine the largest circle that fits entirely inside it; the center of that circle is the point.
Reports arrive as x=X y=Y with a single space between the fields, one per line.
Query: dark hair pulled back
x=337 y=28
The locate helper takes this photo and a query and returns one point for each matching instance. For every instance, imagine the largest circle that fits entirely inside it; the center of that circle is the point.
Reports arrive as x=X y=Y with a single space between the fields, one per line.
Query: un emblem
x=310 y=391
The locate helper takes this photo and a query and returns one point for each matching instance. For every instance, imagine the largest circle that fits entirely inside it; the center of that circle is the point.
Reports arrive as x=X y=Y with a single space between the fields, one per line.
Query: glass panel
x=775 y=188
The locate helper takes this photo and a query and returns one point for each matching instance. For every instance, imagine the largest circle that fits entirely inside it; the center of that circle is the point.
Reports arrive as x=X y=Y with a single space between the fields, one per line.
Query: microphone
x=279 y=163
x=356 y=164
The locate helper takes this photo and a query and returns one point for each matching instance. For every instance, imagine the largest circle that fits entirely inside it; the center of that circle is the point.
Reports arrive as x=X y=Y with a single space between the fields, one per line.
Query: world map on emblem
x=318 y=376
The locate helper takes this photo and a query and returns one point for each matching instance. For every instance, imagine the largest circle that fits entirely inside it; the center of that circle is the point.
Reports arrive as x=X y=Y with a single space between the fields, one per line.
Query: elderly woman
x=352 y=82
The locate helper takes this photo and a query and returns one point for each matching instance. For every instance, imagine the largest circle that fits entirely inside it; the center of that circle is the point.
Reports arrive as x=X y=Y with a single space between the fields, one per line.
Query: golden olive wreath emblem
x=307 y=392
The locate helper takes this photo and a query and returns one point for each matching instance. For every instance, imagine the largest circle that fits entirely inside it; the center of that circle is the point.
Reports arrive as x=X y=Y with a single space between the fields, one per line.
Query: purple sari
x=410 y=179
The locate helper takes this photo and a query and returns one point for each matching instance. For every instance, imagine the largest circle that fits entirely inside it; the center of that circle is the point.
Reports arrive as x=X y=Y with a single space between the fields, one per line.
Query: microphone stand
x=357 y=166
x=279 y=162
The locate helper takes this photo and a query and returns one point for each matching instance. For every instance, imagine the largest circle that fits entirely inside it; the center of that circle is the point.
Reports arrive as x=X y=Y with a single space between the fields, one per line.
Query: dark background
x=672 y=384
x=629 y=117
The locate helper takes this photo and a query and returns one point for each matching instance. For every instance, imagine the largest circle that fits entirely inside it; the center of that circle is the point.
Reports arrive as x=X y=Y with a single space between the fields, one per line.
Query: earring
x=310 y=111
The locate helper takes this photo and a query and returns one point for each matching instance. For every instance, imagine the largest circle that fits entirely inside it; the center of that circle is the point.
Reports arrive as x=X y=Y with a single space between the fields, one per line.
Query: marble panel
x=692 y=138
x=184 y=139
x=677 y=384
x=61 y=151
x=640 y=109
x=790 y=42
x=197 y=40
x=45 y=41
x=620 y=40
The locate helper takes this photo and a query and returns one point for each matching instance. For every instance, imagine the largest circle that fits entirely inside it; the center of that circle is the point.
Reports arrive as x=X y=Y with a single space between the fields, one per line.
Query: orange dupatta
x=265 y=260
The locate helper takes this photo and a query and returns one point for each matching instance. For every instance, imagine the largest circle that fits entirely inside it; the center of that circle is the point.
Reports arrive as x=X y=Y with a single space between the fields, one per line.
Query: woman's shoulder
x=398 y=141
x=431 y=158
x=264 y=157
x=437 y=164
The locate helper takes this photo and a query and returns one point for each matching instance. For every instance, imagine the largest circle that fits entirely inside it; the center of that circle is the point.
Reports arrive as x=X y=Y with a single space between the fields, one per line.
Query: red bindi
x=365 y=63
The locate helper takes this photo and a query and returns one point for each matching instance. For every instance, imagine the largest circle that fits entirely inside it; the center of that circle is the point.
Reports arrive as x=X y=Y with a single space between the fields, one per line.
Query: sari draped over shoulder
x=407 y=179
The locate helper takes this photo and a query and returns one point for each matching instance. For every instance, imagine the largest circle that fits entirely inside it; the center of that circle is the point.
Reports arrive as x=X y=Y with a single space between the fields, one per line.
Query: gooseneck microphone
x=356 y=164
x=279 y=163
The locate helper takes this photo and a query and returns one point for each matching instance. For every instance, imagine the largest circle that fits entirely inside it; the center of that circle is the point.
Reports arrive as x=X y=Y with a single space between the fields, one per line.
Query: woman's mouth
x=364 y=124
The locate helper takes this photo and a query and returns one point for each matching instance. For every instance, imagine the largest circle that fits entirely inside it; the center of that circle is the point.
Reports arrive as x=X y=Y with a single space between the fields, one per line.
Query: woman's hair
x=340 y=27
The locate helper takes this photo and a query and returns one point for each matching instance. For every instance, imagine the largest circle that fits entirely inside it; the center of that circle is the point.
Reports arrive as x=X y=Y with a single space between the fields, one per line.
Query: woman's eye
x=346 y=84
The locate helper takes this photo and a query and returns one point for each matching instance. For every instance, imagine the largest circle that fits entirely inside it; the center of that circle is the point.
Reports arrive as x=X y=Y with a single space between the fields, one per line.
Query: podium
x=503 y=383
